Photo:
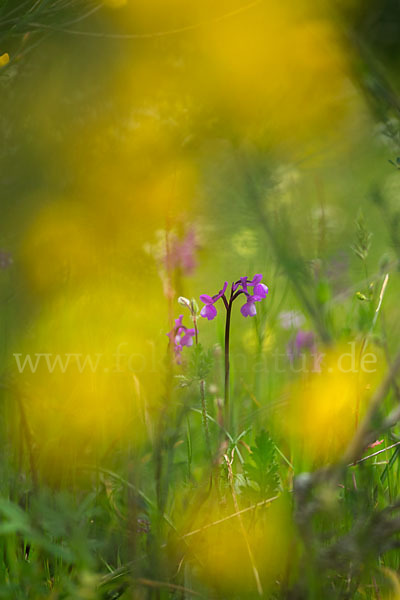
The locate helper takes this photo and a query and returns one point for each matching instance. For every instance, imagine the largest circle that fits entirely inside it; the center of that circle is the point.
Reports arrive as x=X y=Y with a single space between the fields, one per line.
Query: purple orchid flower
x=260 y=291
x=249 y=308
x=302 y=341
x=209 y=311
x=180 y=336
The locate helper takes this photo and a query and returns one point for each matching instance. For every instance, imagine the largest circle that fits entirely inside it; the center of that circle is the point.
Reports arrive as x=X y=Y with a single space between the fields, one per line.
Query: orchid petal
x=256 y=279
x=187 y=339
x=260 y=290
x=243 y=281
x=248 y=309
x=235 y=286
x=206 y=299
x=220 y=293
x=178 y=321
x=208 y=312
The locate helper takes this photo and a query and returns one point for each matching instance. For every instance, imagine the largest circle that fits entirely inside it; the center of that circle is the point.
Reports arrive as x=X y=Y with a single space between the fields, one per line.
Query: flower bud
x=184 y=301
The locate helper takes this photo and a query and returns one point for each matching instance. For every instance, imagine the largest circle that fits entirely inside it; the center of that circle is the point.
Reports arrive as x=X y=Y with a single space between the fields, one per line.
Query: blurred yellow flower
x=59 y=247
x=115 y=3
x=393 y=576
x=327 y=405
x=221 y=553
x=87 y=372
x=289 y=80
x=4 y=59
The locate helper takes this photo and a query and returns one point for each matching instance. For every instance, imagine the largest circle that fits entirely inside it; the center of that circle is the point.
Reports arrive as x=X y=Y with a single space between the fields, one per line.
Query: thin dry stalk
x=242 y=527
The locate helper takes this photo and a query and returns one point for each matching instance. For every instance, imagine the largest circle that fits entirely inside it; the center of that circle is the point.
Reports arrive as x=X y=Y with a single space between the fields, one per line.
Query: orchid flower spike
x=180 y=336
x=242 y=286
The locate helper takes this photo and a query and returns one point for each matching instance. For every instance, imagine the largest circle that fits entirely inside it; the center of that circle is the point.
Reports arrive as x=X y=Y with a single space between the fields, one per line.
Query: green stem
x=204 y=415
x=226 y=389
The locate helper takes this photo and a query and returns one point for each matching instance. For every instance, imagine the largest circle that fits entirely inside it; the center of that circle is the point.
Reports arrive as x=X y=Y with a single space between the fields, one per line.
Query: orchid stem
x=226 y=390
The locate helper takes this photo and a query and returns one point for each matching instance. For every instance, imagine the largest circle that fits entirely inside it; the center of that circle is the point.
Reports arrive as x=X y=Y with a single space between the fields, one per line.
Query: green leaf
x=261 y=468
x=200 y=362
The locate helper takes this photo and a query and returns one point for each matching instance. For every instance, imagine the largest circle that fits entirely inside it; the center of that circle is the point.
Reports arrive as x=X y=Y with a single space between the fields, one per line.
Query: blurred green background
x=151 y=150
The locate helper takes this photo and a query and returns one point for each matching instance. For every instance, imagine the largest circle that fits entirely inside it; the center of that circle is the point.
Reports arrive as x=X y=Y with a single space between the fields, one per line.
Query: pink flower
x=182 y=254
x=374 y=444
x=180 y=336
